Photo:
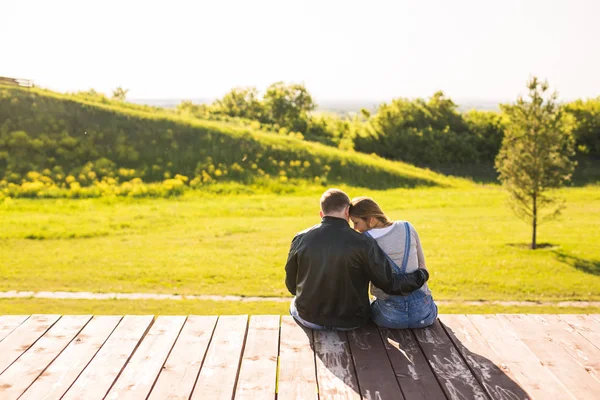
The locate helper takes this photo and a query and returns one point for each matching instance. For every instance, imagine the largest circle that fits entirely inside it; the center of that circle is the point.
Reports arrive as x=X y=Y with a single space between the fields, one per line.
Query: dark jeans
x=416 y=310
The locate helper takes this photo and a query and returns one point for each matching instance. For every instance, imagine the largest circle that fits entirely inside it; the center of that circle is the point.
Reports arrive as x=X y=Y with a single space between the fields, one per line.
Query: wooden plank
x=23 y=337
x=178 y=375
x=410 y=365
x=564 y=368
x=376 y=378
x=63 y=371
x=97 y=378
x=336 y=377
x=534 y=378
x=452 y=372
x=8 y=323
x=297 y=378
x=219 y=372
x=143 y=368
x=489 y=368
x=258 y=371
x=586 y=326
x=21 y=374
x=564 y=335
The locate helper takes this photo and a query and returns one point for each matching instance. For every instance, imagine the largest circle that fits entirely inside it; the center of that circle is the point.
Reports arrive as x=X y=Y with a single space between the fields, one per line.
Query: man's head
x=335 y=203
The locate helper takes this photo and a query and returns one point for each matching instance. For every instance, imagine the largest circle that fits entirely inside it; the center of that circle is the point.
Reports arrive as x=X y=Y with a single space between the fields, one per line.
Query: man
x=330 y=265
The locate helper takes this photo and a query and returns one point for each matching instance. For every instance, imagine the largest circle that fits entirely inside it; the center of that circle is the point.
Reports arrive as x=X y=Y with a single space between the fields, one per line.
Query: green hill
x=93 y=139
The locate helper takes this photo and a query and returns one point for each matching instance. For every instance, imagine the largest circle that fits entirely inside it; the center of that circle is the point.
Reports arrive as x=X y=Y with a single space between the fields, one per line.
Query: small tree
x=288 y=105
x=120 y=93
x=240 y=102
x=535 y=157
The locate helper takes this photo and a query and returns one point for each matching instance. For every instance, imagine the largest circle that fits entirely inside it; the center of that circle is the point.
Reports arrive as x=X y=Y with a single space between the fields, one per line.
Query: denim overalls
x=417 y=310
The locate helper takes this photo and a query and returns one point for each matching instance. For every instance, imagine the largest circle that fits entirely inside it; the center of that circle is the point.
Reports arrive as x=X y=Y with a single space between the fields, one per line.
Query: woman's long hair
x=365 y=208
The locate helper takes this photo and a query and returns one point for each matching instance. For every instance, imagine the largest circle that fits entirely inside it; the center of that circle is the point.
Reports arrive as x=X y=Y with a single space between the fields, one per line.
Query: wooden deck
x=266 y=357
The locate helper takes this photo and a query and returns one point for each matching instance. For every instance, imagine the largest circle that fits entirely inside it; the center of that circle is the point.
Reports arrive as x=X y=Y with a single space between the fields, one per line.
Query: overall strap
x=406 y=247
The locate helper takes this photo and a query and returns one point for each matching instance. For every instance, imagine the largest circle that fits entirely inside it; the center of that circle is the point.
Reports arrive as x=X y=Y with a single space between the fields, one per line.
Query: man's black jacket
x=328 y=269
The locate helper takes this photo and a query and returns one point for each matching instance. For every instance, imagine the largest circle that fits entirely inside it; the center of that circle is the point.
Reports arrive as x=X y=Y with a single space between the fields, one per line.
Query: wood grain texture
x=63 y=371
x=143 y=368
x=413 y=372
x=551 y=354
x=23 y=372
x=8 y=323
x=504 y=357
x=258 y=371
x=179 y=374
x=489 y=368
x=376 y=377
x=533 y=377
x=23 y=337
x=452 y=372
x=219 y=372
x=336 y=377
x=585 y=325
x=297 y=376
x=100 y=374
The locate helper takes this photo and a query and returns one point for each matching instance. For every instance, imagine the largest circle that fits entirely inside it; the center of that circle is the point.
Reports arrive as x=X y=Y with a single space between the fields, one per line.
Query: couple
x=330 y=266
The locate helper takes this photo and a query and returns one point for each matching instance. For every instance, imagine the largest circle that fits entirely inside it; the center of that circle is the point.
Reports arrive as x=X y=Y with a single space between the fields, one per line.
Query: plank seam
x=54 y=359
x=312 y=345
x=577 y=330
x=31 y=345
x=462 y=356
x=131 y=355
x=212 y=334
x=278 y=357
x=94 y=356
x=237 y=374
x=353 y=363
x=22 y=322
x=557 y=380
x=429 y=362
x=166 y=358
x=387 y=354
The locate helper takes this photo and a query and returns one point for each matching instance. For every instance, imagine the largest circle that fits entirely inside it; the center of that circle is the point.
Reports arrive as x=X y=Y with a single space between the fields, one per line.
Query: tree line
x=50 y=141
x=429 y=132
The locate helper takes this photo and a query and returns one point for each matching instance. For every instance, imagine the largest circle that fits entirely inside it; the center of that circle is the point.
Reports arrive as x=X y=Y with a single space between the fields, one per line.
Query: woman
x=400 y=241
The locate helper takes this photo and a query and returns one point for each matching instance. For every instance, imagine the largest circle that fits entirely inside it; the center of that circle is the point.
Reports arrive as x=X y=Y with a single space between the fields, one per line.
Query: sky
x=341 y=50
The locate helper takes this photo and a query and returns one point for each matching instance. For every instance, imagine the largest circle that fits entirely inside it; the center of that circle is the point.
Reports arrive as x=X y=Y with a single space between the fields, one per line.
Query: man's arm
x=381 y=273
x=291 y=267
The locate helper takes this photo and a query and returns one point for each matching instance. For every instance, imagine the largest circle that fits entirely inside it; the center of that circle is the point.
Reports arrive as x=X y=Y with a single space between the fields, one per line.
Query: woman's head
x=366 y=214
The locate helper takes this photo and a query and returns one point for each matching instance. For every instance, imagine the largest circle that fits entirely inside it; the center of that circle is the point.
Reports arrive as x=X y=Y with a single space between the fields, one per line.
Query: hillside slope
x=67 y=135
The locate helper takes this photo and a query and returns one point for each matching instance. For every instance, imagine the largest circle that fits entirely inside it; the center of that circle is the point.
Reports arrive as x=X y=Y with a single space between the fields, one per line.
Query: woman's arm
x=420 y=255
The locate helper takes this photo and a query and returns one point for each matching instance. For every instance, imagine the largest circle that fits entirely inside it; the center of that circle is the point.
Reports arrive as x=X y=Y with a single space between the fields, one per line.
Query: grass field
x=203 y=307
x=236 y=244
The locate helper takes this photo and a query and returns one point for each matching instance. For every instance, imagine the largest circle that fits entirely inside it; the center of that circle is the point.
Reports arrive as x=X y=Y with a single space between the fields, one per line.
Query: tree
x=288 y=105
x=120 y=93
x=423 y=132
x=240 y=102
x=487 y=129
x=586 y=114
x=535 y=157
x=186 y=107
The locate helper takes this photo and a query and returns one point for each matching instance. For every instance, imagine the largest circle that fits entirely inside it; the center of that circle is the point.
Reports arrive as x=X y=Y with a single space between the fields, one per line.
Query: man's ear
x=321 y=213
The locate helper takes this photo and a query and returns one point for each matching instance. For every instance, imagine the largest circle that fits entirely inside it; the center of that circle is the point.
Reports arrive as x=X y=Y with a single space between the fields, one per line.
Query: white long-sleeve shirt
x=392 y=240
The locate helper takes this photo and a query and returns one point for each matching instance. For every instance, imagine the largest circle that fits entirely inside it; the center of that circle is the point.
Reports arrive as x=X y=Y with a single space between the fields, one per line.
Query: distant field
x=237 y=245
x=202 y=307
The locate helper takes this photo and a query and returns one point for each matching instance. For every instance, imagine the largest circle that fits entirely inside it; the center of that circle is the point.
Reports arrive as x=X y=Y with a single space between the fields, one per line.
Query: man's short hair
x=334 y=200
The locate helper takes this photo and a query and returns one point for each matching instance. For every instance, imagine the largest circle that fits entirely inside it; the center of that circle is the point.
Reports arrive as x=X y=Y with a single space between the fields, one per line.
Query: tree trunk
x=533 y=238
